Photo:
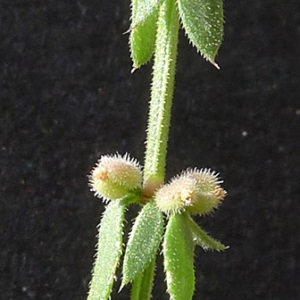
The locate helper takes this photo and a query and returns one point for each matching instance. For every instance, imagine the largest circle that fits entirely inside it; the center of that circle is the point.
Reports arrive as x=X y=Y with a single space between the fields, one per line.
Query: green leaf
x=201 y=238
x=108 y=252
x=142 y=285
x=143 y=9
x=178 y=249
x=143 y=30
x=143 y=242
x=203 y=23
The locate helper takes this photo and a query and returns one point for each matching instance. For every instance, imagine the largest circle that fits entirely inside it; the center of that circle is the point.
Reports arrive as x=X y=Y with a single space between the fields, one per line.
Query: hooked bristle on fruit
x=114 y=176
x=195 y=191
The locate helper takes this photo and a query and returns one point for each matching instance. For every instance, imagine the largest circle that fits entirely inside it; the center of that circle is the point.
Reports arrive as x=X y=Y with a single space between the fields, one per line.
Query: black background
x=67 y=97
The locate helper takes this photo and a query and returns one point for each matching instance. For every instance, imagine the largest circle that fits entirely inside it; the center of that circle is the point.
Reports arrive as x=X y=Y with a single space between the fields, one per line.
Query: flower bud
x=115 y=176
x=194 y=191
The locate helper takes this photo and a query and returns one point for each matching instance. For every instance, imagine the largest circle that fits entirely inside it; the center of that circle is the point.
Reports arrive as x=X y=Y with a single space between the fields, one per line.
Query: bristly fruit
x=195 y=191
x=115 y=176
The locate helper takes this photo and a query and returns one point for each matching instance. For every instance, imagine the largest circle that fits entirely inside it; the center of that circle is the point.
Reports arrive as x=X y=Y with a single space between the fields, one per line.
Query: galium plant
x=166 y=210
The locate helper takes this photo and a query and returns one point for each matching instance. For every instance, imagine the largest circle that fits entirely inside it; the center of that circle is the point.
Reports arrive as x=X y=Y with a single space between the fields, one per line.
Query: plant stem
x=159 y=117
x=161 y=95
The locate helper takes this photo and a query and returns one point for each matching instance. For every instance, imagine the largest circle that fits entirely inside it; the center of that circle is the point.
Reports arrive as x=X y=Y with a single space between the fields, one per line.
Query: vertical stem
x=159 y=119
x=161 y=95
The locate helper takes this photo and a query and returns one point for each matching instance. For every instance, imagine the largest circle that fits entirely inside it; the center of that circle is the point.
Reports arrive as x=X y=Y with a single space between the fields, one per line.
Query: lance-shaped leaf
x=203 y=23
x=201 y=238
x=108 y=252
x=143 y=242
x=143 y=30
x=178 y=249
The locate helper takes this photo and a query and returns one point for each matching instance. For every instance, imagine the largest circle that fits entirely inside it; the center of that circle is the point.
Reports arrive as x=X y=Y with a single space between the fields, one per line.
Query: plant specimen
x=165 y=215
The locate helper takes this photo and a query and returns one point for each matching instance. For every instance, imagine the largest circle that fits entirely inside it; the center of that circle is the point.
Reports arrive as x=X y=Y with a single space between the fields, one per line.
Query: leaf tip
x=133 y=70
x=215 y=64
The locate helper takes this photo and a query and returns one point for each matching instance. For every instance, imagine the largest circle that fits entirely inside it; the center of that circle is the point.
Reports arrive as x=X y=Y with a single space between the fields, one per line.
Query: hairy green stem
x=159 y=118
x=161 y=94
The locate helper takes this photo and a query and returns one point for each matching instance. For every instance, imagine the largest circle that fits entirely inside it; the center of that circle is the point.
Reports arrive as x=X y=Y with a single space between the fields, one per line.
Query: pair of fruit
x=195 y=191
